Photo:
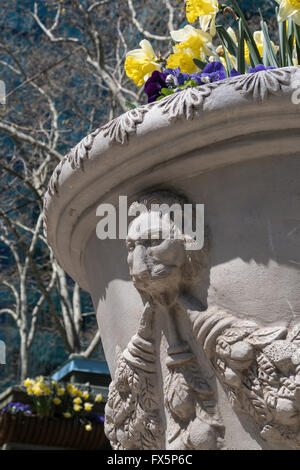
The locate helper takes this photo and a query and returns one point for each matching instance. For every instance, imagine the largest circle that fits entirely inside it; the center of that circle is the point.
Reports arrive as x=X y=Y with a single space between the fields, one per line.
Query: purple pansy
x=154 y=84
x=96 y=418
x=178 y=77
x=234 y=73
x=259 y=68
x=16 y=407
x=215 y=71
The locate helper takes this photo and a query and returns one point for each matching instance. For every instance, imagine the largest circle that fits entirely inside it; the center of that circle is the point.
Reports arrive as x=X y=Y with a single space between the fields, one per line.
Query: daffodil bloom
x=88 y=406
x=37 y=390
x=98 y=398
x=140 y=63
x=74 y=391
x=193 y=44
x=46 y=391
x=88 y=427
x=57 y=401
x=198 y=8
x=77 y=400
x=67 y=414
x=86 y=395
x=289 y=9
x=61 y=391
x=29 y=382
x=77 y=407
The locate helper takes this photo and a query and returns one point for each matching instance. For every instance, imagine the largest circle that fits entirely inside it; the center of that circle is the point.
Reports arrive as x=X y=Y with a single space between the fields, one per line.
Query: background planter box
x=41 y=430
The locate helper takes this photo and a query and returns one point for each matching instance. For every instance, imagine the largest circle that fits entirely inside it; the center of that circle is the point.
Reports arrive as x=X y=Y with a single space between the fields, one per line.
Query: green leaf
x=241 y=48
x=199 y=63
x=254 y=52
x=227 y=40
x=282 y=43
x=166 y=91
x=269 y=52
x=297 y=36
x=130 y=105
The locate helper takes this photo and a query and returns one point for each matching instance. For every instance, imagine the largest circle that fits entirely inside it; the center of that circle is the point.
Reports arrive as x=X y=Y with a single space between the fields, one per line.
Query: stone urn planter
x=203 y=345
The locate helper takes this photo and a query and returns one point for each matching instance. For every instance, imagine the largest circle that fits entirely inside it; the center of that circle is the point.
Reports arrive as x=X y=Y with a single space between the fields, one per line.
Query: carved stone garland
x=260 y=368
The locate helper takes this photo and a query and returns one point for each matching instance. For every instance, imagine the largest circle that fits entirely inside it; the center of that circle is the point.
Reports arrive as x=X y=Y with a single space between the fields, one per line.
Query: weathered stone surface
x=203 y=346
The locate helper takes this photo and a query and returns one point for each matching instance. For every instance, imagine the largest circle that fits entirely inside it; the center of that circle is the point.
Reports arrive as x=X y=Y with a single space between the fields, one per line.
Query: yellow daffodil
x=88 y=427
x=74 y=391
x=37 y=390
x=193 y=44
x=46 y=391
x=29 y=391
x=57 y=401
x=77 y=407
x=53 y=382
x=86 y=395
x=289 y=9
x=98 y=398
x=29 y=382
x=79 y=393
x=67 y=414
x=198 y=8
x=40 y=379
x=88 y=406
x=140 y=63
x=60 y=391
x=77 y=400
x=70 y=387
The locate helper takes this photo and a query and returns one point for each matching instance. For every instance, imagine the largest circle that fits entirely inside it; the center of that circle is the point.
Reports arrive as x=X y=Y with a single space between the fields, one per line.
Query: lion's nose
x=139 y=265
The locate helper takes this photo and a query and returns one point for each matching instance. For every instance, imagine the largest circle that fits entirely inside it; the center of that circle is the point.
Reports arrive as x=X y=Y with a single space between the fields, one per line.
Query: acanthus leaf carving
x=261 y=84
x=119 y=129
x=185 y=104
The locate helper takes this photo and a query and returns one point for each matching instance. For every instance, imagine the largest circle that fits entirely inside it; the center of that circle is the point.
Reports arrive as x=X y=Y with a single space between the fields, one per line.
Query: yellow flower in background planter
x=86 y=395
x=29 y=382
x=57 y=401
x=193 y=44
x=77 y=400
x=46 y=391
x=140 y=63
x=60 y=391
x=88 y=406
x=289 y=9
x=196 y=8
x=67 y=414
x=37 y=390
x=77 y=407
x=88 y=427
x=74 y=391
x=98 y=398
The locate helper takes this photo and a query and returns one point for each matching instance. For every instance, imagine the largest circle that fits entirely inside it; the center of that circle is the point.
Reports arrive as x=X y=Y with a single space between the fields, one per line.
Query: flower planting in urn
x=202 y=339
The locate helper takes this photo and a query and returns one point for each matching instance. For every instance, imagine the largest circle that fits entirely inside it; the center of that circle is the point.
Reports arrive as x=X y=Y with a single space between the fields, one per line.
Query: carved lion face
x=154 y=261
